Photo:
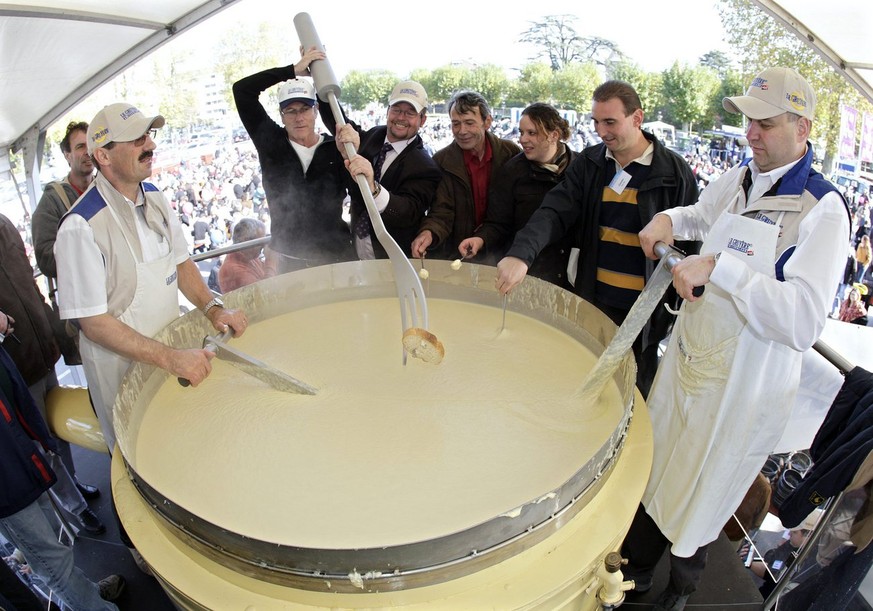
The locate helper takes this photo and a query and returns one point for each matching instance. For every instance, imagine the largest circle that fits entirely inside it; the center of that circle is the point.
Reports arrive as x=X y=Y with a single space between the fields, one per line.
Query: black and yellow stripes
x=617 y=236
x=621 y=266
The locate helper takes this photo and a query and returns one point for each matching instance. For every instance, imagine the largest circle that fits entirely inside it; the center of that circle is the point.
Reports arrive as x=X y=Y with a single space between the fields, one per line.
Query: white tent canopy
x=55 y=55
x=841 y=31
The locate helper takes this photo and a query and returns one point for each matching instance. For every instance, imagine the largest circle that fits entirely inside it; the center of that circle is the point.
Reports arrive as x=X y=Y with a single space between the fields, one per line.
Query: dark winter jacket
x=305 y=209
x=573 y=207
x=517 y=190
x=842 y=444
x=452 y=218
x=24 y=474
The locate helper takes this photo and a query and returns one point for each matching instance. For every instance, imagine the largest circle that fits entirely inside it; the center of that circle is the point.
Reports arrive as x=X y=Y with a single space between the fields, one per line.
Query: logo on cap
x=760 y=83
x=129 y=113
x=100 y=135
x=796 y=100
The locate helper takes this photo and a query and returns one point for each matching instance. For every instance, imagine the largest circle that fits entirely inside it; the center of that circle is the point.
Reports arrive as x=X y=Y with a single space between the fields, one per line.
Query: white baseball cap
x=773 y=92
x=296 y=90
x=411 y=92
x=120 y=122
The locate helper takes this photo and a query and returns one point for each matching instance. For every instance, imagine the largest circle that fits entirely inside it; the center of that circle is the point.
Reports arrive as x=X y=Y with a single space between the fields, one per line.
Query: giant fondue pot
x=478 y=482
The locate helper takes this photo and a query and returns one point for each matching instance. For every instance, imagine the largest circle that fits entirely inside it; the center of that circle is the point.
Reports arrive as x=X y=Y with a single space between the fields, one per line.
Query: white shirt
x=644 y=159
x=306 y=153
x=82 y=287
x=790 y=312
x=364 y=247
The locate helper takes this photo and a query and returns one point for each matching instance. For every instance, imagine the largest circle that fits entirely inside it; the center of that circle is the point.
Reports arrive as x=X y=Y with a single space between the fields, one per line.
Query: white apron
x=155 y=305
x=719 y=402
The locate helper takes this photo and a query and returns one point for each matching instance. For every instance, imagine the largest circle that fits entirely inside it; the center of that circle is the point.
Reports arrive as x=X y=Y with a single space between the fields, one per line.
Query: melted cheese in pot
x=383 y=454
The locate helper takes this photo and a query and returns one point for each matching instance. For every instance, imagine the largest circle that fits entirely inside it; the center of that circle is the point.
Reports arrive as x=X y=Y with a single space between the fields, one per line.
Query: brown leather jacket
x=452 y=217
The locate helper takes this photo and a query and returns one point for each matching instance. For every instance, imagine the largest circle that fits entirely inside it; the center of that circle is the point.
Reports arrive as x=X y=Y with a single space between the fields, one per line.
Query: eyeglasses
x=394 y=110
x=293 y=112
x=141 y=140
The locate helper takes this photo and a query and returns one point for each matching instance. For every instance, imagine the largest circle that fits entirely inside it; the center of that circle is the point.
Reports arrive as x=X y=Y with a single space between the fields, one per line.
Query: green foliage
x=573 y=86
x=491 y=81
x=688 y=92
x=246 y=50
x=423 y=76
x=533 y=84
x=360 y=88
x=570 y=87
x=178 y=102
x=731 y=84
x=446 y=80
x=649 y=86
x=718 y=61
x=765 y=43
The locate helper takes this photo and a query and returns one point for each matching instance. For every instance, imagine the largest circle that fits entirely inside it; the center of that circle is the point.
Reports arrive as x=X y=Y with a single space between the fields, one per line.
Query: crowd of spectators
x=857 y=276
x=213 y=192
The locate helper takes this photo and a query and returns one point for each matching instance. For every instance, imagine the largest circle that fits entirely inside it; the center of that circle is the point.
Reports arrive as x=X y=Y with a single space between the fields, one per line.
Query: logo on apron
x=741 y=246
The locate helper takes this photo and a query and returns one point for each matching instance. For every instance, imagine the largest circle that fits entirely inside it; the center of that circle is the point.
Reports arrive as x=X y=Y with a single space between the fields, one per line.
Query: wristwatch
x=215 y=302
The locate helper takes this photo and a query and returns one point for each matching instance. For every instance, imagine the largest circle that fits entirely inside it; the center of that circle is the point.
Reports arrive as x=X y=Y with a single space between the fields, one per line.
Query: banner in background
x=848 y=123
x=867 y=138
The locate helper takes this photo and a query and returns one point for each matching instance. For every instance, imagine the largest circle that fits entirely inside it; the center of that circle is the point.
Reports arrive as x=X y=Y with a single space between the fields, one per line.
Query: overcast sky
x=401 y=36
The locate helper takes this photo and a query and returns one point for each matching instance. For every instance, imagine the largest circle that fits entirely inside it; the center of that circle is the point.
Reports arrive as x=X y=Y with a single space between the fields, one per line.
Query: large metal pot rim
x=392 y=567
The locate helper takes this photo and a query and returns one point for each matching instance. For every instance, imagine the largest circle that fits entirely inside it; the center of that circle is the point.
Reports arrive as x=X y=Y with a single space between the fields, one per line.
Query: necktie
x=380 y=159
x=363 y=226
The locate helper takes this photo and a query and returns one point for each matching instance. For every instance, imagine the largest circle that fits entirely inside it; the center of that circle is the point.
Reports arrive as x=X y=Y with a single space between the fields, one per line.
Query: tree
x=359 y=87
x=718 y=61
x=244 y=51
x=765 y=42
x=447 y=80
x=731 y=85
x=425 y=78
x=491 y=81
x=574 y=85
x=534 y=83
x=555 y=38
x=687 y=92
x=178 y=101
x=648 y=85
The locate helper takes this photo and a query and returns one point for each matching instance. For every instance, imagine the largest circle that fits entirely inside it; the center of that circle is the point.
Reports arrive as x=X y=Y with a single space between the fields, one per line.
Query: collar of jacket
x=794 y=181
x=379 y=137
x=453 y=155
x=662 y=172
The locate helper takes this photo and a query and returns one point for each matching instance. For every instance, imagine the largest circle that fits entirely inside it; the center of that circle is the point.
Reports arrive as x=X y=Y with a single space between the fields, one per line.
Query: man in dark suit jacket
x=400 y=173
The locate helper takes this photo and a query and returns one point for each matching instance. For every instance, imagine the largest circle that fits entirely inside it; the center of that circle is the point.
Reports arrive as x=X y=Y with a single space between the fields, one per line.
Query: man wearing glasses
x=400 y=173
x=303 y=173
x=122 y=258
